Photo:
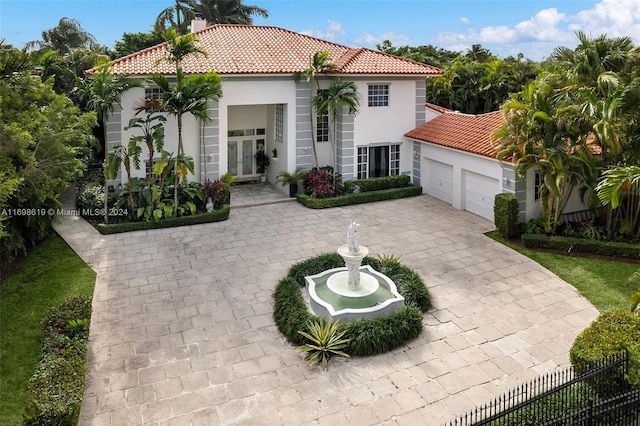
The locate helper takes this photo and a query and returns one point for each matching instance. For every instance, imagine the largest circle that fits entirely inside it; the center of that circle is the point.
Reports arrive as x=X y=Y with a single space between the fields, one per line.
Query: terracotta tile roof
x=248 y=49
x=466 y=132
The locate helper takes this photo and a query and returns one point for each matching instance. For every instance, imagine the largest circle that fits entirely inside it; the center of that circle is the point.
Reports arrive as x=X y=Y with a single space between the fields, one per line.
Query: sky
x=506 y=27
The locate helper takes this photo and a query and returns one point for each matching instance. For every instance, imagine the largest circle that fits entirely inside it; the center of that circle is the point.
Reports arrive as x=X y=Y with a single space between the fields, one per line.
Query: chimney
x=198 y=24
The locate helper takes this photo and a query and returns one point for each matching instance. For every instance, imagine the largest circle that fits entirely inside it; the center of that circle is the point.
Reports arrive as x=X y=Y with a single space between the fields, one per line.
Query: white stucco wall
x=534 y=209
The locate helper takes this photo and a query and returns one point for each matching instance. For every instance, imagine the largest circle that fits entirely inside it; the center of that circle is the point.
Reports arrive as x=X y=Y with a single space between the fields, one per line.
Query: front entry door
x=240 y=156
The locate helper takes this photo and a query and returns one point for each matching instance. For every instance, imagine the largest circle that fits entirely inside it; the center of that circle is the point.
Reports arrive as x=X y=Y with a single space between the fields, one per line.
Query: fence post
x=590 y=412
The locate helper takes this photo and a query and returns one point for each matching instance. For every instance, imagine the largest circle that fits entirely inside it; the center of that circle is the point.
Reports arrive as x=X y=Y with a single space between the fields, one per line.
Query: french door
x=241 y=152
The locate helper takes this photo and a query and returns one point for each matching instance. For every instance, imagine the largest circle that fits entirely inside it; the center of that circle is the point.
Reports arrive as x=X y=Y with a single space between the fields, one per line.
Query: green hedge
x=214 y=216
x=377 y=184
x=56 y=389
x=610 y=334
x=505 y=212
x=581 y=245
x=367 y=336
x=362 y=197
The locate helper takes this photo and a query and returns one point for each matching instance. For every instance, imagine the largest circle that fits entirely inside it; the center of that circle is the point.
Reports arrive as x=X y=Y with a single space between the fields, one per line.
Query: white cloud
x=540 y=34
x=370 y=40
x=464 y=20
x=333 y=31
x=615 y=18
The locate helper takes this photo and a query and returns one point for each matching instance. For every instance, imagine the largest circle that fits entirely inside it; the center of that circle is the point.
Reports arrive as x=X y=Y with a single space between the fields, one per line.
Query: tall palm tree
x=319 y=63
x=178 y=17
x=227 y=11
x=67 y=35
x=341 y=94
x=537 y=135
x=102 y=93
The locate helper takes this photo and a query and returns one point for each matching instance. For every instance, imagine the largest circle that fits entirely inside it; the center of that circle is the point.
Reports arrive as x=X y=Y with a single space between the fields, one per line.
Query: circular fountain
x=354 y=291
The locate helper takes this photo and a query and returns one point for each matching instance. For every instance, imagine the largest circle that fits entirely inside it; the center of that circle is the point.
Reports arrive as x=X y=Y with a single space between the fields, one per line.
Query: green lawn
x=51 y=274
x=604 y=282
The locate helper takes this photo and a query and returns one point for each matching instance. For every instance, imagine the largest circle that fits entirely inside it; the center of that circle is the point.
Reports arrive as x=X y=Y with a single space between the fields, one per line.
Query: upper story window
x=152 y=93
x=378 y=95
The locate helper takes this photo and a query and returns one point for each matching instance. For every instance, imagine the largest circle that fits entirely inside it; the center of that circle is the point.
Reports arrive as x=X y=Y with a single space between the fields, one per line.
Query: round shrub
x=608 y=336
x=367 y=336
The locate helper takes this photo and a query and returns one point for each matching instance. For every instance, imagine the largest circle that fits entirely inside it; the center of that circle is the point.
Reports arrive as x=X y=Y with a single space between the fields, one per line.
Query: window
x=537 y=185
x=279 y=124
x=378 y=95
x=322 y=128
x=152 y=93
x=378 y=161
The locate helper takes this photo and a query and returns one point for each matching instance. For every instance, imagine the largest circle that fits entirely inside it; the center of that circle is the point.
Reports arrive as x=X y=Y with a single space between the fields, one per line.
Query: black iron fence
x=599 y=397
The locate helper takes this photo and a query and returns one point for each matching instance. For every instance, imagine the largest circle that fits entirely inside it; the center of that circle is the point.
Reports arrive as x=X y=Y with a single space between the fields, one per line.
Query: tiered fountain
x=354 y=291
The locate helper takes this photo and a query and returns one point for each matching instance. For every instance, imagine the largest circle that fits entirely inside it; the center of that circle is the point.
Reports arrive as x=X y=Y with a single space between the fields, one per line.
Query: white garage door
x=479 y=194
x=439 y=180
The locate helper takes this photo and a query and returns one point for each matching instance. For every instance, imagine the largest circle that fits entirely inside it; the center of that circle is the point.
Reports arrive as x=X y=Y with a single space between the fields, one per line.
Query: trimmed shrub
x=367 y=336
x=214 y=216
x=359 y=198
x=56 y=389
x=609 y=335
x=581 y=245
x=377 y=184
x=505 y=212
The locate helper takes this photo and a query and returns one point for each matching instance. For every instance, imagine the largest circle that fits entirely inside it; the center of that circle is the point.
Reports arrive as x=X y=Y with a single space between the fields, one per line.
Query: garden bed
x=358 y=198
x=214 y=216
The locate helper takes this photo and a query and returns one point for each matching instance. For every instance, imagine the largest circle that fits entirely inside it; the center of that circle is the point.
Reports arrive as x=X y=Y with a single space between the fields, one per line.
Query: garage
x=479 y=193
x=439 y=180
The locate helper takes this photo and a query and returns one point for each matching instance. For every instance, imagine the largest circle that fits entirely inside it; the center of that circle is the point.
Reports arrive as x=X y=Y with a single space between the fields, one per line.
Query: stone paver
x=181 y=331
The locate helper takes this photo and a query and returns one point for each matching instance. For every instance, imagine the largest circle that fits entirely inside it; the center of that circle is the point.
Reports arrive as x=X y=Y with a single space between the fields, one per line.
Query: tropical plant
x=262 y=161
x=176 y=17
x=286 y=178
x=227 y=11
x=324 y=341
x=340 y=94
x=67 y=35
x=122 y=155
x=190 y=95
x=42 y=138
x=102 y=93
x=152 y=127
x=539 y=134
x=619 y=187
x=319 y=63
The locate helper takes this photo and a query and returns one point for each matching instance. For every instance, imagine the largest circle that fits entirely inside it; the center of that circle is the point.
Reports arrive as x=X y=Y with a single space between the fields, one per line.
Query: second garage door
x=479 y=194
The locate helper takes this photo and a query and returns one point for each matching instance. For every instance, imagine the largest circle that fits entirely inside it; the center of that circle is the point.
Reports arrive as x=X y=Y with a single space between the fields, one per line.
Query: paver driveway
x=182 y=330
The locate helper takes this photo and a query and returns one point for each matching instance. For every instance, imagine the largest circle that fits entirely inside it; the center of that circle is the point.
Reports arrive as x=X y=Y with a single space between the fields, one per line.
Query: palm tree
x=341 y=94
x=176 y=17
x=102 y=93
x=179 y=15
x=319 y=63
x=67 y=35
x=152 y=127
x=536 y=135
x=227 y=11
x=619 y=187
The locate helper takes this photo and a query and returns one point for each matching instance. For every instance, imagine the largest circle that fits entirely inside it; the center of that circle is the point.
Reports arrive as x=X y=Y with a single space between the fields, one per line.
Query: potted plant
x=292 y=179
x=227 y=179
x=262 y=162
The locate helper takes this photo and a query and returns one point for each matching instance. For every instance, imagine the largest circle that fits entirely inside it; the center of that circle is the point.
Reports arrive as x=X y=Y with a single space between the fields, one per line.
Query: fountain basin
x=330 y=296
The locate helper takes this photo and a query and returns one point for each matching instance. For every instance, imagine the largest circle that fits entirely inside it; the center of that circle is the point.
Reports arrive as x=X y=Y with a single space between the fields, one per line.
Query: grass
x=605 y=283
x=51 y=274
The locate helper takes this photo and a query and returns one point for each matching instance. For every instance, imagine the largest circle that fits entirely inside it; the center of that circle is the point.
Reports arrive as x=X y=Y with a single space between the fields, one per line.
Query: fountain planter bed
x=359 y=198
x=367 y=336
x=214 y=216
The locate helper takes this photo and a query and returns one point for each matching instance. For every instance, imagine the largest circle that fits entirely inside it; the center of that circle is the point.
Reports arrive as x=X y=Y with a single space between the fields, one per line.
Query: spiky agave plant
x=324 y=341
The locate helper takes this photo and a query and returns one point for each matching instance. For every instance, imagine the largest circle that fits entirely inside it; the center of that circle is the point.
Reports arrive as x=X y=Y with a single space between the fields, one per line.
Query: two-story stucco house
x=262 y=106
